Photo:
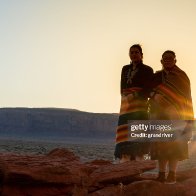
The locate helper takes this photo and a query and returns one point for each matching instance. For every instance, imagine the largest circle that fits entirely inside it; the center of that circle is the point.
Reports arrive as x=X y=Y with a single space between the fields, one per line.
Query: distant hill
x=55 y=124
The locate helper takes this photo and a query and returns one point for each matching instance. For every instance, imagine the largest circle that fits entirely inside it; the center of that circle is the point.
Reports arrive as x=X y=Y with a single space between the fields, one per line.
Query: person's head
x=168 y=59
x=135 y=53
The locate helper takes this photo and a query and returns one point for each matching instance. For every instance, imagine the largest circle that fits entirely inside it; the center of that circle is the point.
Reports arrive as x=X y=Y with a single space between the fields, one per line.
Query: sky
x=69 y=53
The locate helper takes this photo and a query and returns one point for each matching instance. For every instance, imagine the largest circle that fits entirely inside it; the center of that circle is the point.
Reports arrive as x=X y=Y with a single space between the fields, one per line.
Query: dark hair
x=169 y=51
x=138 y=46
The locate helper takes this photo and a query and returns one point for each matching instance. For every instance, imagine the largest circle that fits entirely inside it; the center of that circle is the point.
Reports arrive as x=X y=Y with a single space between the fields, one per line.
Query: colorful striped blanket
x=129 y=105
x=173 y=96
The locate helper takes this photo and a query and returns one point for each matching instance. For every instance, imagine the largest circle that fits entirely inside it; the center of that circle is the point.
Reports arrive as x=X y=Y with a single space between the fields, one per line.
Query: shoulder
x=180 y=70
x=146 y=68
x=158 y=72
x=182 y=74
x=126 y=67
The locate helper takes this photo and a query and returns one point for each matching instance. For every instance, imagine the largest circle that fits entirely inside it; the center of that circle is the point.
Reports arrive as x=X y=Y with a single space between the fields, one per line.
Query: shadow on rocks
x=2 y=174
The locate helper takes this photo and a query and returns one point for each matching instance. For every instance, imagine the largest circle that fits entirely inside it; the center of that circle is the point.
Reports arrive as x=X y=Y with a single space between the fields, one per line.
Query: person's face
x=168 y=60
x=135 y=55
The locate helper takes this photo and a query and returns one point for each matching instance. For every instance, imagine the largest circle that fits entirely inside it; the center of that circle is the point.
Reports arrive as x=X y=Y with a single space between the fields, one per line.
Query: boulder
x=60 y=172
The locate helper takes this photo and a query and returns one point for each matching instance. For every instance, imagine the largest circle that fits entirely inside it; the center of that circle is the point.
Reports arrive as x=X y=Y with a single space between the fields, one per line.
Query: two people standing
x=168 y=92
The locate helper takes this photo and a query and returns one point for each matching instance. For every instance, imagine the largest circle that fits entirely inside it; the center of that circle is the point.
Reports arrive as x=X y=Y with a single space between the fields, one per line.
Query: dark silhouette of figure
x=171 y=100
x=135 y=88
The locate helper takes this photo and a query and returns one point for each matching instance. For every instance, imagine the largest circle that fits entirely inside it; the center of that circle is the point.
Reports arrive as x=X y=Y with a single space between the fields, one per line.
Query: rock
x=60 y=172
x=112 y=174
x=153 y=188
x=184 y=175
x=62 y=152
x=95 y=164
x=188 y=179
x=43 y=173
x=109 y=191
x=100 y=162
x=146 y=187
x=190 y=186
x=3 y=170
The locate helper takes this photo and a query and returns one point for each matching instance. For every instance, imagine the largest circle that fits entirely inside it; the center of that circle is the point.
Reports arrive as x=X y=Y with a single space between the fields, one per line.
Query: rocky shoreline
x=61 y=173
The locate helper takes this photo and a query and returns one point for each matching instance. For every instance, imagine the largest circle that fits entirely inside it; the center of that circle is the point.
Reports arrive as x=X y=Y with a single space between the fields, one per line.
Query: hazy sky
x=69 y=53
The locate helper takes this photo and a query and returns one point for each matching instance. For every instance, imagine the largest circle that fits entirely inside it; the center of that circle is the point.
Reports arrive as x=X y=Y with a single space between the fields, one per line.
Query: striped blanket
x=173 y=96
x=130 y=110
x=171 y=100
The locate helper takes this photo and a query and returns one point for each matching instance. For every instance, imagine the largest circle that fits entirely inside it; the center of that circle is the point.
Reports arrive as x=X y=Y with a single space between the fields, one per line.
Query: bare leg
x=125 y=158
x=162 y=169
x=173 y=165
x=162 y=165
x=171 y=178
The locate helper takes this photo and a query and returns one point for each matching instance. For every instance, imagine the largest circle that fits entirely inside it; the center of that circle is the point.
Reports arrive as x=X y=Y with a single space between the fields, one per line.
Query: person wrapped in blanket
x=135 y=89
x=171 y=100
